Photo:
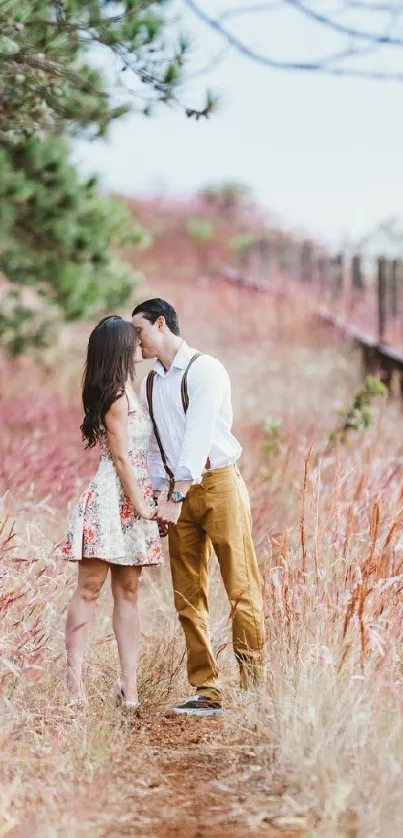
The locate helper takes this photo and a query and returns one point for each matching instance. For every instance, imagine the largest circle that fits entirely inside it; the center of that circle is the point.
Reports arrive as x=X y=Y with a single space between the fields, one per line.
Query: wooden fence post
x=394 y=272
x=294 y=262
x=306 y=262
x=243 y=258
x=265 y=258
x=382 y=312
x=337 y=276
x=323 y=270
x=357 y=276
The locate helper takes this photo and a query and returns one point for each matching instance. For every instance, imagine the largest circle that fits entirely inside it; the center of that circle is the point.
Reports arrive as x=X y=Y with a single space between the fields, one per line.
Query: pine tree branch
x=161 y=87
x=52 y=69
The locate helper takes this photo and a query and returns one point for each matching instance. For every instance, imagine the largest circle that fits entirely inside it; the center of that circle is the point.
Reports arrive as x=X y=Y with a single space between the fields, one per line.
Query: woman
x=113 y=523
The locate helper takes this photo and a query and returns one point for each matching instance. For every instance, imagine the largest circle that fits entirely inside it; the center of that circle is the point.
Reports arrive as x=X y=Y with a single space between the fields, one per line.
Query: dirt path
x=181 y=779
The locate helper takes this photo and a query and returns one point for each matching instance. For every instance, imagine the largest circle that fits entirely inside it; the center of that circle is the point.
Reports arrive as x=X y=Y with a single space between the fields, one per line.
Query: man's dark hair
x=153 y=309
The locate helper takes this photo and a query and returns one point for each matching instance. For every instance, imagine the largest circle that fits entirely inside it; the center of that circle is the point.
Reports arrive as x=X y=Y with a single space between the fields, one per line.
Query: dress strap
x=131 y=401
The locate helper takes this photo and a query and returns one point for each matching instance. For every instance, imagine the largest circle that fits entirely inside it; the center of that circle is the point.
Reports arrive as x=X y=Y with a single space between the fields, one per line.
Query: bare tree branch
x=214 y=62
x=250 y=9
x=357 y=34
x=340 y=63
x=362 y=6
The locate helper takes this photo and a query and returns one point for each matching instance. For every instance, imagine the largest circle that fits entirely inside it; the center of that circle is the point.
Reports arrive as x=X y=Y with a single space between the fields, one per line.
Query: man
x=201 y=498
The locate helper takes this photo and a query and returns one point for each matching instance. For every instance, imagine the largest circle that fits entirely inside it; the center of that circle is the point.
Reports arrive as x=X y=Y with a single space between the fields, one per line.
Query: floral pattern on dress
x=103 y=523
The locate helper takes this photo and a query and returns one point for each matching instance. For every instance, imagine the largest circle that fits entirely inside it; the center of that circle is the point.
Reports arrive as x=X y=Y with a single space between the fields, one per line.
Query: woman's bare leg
x=126 y=624
x=91 y=576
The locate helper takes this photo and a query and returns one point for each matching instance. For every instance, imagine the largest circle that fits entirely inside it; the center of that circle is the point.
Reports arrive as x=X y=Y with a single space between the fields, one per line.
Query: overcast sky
x=323 y=155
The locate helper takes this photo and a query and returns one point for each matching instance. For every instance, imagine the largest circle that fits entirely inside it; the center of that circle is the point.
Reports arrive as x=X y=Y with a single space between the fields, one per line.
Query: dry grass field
x=319 y=752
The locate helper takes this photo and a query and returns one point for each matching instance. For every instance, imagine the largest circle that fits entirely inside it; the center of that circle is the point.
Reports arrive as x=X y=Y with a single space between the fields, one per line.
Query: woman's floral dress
x=103 y=523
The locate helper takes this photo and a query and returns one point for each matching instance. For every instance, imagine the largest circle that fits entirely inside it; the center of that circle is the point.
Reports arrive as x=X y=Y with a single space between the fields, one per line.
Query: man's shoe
x=199 y=705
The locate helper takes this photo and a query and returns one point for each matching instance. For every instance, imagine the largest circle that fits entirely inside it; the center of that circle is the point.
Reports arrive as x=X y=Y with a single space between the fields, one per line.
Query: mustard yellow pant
x=216 y=514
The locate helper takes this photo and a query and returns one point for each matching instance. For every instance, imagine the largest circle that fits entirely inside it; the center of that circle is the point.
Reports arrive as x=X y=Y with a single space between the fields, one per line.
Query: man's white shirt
x=204 y=431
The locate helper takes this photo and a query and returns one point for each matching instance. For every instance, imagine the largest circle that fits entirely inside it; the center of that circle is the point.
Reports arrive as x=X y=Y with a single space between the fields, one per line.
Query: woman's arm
x=118 y=440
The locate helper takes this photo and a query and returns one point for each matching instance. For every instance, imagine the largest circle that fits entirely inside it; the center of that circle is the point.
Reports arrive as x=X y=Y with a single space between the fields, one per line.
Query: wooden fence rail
x=360 y=296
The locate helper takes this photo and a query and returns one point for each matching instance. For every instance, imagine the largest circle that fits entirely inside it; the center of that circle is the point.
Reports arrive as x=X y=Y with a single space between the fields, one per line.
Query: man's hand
x=162 y=527
x=168 y=512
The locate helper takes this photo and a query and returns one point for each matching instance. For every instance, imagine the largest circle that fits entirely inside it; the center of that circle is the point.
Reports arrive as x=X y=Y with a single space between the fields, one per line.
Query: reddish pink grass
x=327 y=525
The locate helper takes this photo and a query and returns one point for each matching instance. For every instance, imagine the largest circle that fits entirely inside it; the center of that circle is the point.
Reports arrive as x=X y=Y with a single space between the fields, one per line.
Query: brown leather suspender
x=184 y=384
x=185 y=403
x=149 y=391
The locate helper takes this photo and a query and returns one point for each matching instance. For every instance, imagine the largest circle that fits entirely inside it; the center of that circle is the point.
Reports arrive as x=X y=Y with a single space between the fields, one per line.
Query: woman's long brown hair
x=109 y=365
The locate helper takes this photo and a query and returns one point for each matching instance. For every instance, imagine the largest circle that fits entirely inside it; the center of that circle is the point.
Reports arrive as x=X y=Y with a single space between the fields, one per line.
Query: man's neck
x=172 y=345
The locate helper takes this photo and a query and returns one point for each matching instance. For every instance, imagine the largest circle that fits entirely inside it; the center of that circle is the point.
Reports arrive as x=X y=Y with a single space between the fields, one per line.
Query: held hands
x=147 y=512
x=162 y=528
x=168 y=512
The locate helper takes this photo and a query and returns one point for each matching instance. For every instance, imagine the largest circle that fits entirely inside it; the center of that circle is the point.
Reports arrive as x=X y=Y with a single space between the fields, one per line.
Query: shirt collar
x=180 y=361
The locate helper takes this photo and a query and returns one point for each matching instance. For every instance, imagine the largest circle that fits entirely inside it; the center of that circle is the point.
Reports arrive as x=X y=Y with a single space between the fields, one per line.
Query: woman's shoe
x=119 y=696
x=79 y=700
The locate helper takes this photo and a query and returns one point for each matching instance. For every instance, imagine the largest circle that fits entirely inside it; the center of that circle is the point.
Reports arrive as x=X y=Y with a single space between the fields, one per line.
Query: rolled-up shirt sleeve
x=155 y=465
x=208 y=382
